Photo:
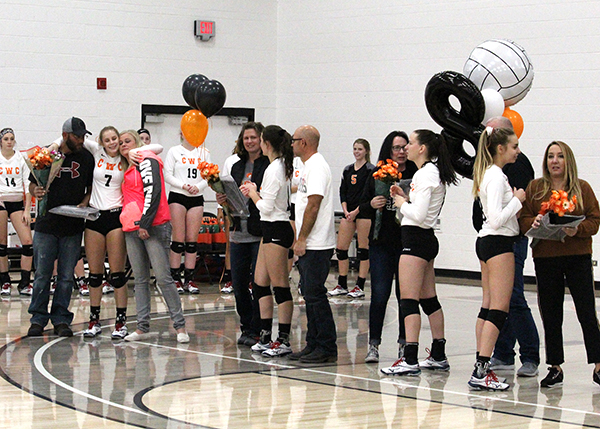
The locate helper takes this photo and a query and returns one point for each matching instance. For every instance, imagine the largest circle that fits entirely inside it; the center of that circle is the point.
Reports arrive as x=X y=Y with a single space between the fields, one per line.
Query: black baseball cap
x=76 y=126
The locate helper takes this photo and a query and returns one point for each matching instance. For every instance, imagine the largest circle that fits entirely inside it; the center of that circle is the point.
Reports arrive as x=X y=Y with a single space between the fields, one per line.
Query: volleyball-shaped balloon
x=501 y=65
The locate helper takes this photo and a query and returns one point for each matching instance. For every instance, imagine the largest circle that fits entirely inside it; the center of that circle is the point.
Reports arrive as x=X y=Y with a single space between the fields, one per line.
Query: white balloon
x=494 y=104
x=503 y=66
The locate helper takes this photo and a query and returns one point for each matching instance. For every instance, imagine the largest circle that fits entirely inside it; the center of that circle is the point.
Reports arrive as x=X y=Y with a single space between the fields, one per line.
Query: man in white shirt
x=314 y=246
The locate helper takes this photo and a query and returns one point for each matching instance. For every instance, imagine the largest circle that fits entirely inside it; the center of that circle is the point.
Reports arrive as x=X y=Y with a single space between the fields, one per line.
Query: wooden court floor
x=212 y=382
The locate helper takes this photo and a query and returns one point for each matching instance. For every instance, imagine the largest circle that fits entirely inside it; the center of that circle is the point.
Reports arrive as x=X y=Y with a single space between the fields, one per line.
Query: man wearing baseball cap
x=59 y=237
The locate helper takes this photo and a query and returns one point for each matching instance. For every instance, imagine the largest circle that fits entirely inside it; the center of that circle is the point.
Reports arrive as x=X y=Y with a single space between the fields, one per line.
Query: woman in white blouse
x=420 y=211
x=278 y=236
x=500 y=203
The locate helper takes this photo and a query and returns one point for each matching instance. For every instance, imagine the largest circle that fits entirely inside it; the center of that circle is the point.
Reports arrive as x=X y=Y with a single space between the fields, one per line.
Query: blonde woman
x=494 y=246
x=568 y=262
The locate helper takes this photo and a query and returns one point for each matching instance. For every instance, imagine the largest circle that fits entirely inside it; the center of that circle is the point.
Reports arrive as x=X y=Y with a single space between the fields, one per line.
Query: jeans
x=384 y=266
x=142 y=254
x=553 y=274
x=46 y=249
x=519 y=325
x=243 y=261
x=314 y=268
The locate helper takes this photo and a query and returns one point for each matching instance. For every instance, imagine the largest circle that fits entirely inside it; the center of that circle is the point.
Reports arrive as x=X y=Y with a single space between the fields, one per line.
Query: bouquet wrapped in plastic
x=44 y=165
x=236 y=202
x=385 y=175
x=87 y=213
x=554 y=218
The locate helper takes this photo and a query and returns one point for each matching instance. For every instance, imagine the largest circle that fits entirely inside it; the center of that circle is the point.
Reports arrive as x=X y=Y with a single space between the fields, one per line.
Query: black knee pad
x=362 y=254
x=117 y=280
x=497 y=317
x=430 y=305
x=260 y=291
x=95 y=280
x=190 y=247
x=409 y=306
x=177 y=247
x=291 y=254
x=483 y=313
x=342 y=255
x=282 y=294
x=3 y=250
x=27 y=250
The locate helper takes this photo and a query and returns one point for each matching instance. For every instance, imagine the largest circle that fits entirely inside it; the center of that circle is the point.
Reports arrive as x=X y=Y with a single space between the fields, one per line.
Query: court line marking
x=39 y=364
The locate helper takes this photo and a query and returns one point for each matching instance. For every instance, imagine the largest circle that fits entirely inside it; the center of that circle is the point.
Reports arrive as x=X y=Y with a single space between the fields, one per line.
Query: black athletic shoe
x=35 y=330
x=63 y=330
x=554 y=378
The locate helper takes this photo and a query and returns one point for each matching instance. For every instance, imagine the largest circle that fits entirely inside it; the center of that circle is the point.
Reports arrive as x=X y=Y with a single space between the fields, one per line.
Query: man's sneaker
x=554 y=378
x=120 y=332
x=107 y=288
x=357 y=292
x=431 y=363
x=596 y=378
x=337 y=291
x=27 y=290
x=529 y=369
x=84 y=289
x=191 y=288
x=247 y=339
x=498 y=365
x=372 y=354
x=400 y=367
x=228 y=288
x=94 y=328
x=179 y=287
x=5 y=289
x=277 y=348
x=489 y=381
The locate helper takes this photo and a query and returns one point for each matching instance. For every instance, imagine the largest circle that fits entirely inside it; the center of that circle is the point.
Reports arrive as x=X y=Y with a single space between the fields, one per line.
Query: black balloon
x=188 y=90
x=210 y=97
x=457 y=125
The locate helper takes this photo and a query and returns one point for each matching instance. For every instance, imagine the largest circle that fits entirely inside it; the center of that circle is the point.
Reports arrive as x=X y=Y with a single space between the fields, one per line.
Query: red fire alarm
x=101 y=83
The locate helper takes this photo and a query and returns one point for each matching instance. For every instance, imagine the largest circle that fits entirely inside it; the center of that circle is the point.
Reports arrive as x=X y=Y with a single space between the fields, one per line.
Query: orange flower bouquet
x=210 y=173
x=558 y=205
x=44 y=165
x=385 y=175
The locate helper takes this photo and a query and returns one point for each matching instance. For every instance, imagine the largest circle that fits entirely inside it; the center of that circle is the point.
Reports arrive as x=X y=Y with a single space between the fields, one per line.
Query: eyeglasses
x=296 y=140
x=398 y=148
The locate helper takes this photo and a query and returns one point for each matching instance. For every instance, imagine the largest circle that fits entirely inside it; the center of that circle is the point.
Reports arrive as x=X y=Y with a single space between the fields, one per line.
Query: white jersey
x=316 y=180
x=108 y=177
x=180 y=169
x=426 y=197
x=227 y=164
x=274 y=193
x=298 y=166
x=500 y=206
x=14 y=174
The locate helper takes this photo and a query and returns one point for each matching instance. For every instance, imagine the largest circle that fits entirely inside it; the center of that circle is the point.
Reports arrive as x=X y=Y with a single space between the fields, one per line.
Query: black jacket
x=258 y=171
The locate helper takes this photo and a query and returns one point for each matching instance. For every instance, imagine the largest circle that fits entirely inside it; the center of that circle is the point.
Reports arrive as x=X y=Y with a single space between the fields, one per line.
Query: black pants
x=575 y=272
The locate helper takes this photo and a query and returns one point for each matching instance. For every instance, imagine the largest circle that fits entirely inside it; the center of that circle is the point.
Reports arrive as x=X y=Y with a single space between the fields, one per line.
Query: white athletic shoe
x=400 y=367
x=431 y=363
x=337 y=291
x=356 y=293
x=107 y=288
x=94 y=328
x=372 y=354
x=260 y=347
x=5 y=289
x=228 y=288
x=487 y=382
x=277 y=348
x=120 y=332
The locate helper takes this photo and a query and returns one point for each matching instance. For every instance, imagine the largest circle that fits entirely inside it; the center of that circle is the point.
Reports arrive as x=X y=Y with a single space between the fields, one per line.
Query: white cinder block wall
x=51 y=53
x=359 y=69
x=351 y=68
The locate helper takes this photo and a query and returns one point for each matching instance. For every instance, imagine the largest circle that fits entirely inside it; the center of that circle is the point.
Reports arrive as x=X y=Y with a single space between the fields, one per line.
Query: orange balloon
x=516 y=120
x=194 y=127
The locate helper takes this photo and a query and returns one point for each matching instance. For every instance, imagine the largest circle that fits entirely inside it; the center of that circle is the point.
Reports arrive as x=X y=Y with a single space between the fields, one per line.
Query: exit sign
x=204 y=30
